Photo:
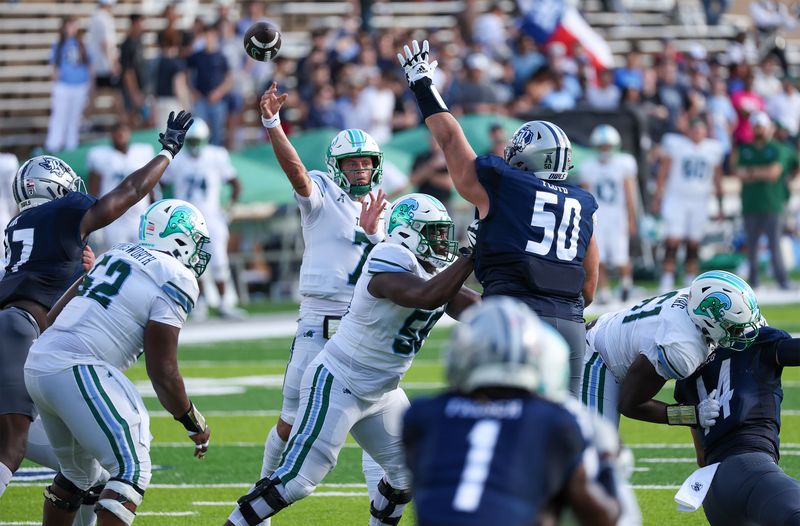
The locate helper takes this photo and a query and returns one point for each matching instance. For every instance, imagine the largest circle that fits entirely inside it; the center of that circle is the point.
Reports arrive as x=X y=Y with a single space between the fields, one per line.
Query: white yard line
x=166 y=513
x=667 y=460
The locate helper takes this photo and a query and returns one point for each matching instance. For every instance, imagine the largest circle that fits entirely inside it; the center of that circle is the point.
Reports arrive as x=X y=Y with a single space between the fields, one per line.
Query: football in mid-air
x=262 y=41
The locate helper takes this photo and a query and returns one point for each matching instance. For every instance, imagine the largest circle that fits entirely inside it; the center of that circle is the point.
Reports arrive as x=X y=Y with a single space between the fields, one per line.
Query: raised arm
x=443 y=126
x=287 y=156
x=140 y=183
x=407 y=290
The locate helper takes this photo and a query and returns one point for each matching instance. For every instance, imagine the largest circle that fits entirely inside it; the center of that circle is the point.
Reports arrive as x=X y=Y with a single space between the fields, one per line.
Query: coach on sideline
x=535 y=240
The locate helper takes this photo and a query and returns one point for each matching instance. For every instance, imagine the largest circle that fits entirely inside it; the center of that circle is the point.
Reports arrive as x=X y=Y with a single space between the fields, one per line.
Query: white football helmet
x=421 y=223
x=540 y=147
x=42 y=179
x=604 y=135
x=724 y=307
x=354 y=143
x=497 y=344
x=177 y=228
x=197 y=137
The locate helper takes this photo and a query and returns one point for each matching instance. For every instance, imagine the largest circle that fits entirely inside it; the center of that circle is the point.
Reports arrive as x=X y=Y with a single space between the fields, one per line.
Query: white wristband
x=375 y=238
x=274 y=122
x=167 y=154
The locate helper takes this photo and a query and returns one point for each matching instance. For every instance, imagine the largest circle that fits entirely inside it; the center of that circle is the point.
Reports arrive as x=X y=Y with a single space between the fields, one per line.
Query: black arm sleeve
x=787 y=352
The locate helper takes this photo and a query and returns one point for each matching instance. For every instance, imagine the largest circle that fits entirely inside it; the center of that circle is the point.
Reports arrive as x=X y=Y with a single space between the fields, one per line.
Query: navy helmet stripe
x=566 y=149
x=558 y=144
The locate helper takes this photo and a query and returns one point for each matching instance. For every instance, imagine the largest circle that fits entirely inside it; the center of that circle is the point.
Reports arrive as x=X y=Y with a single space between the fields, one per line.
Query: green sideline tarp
x=261 y=175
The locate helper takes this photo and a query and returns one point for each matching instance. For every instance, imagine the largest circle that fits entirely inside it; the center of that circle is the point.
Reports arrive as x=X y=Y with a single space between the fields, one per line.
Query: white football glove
x=415 y=63
x=472 y=233
x=708 y=410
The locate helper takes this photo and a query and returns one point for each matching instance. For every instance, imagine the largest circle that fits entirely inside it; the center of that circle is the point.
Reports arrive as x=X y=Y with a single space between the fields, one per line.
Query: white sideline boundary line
x=166 y=513
x=315 y=494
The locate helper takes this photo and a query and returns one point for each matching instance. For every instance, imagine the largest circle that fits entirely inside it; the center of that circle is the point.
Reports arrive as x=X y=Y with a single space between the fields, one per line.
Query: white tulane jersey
x=335 y=246
x=199 y=179
x=659 y=328
x=606 y=181
x=378 y=339
x=112 y=166
x=104 y=324
x=691 y=173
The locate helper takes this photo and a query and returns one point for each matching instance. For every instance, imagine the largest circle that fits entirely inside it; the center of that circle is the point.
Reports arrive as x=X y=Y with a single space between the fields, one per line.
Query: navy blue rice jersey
x=43 y=250
x=748 y=385
x=532 y=243
x=480 y=463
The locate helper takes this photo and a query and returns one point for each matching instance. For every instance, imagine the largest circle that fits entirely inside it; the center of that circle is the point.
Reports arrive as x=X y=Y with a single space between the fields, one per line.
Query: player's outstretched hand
x=201 y=442
x=371 y=211
x=177 y=126
x=87 y=259
x=708 y=410
x=415 y=62
x=271 y=101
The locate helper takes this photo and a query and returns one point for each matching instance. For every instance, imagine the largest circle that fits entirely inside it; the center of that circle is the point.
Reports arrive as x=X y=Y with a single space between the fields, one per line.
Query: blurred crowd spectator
x=348 y=77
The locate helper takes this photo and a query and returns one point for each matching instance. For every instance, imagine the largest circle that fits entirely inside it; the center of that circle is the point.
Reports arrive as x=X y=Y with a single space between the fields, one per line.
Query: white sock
x=273 y=450
x=627 y=282
x=373 y=473
x=5 y=478
x=667 y=282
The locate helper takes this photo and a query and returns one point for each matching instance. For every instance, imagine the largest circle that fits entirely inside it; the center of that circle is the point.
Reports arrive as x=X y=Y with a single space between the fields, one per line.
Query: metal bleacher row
x=28 y=29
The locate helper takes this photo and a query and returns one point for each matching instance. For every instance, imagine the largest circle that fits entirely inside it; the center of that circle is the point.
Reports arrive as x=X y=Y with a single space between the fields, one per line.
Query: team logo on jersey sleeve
x=714 y=306
x=181 y=221
x=403 y=214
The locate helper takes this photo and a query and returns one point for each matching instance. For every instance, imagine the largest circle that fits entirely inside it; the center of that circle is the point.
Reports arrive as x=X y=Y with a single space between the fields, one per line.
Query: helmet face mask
x=421 y=223
x=725 y=309
x=540 y=147
x=42 y=179
x=179 y=229
x=350 y=144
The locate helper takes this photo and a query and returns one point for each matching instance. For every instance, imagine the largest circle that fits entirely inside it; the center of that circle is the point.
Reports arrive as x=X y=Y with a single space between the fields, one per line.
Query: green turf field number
x=103 y=292
x=637 y=312
x=361 y=239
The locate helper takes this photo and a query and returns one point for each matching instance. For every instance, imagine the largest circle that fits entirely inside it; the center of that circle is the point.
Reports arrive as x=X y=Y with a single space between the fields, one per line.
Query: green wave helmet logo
x=714 y=306
x=403 y=214
x=181 y=216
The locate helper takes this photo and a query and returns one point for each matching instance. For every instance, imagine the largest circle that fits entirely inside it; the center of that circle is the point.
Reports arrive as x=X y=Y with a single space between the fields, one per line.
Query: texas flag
x=550 y=21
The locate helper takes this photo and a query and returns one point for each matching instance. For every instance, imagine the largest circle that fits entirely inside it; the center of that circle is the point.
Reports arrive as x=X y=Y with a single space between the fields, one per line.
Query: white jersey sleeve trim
x=181 y=298
x=167 y=312
x=311 y=206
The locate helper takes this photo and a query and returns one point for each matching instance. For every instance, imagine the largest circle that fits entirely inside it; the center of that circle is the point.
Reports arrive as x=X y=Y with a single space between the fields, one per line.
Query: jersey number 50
x=554 y=229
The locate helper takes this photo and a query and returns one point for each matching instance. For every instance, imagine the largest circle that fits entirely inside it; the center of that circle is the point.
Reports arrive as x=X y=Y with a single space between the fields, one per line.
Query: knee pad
x=71 y=503
x=127 y=493
x=265 y=489
x=392 y=499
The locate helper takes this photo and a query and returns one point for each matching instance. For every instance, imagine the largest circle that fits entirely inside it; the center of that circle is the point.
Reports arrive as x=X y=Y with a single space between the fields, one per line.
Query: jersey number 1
x=566 y=245
x=482 y=441
x=103 y=292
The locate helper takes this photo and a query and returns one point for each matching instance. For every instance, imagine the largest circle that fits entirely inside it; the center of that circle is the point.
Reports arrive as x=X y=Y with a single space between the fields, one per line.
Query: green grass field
x=246 y=379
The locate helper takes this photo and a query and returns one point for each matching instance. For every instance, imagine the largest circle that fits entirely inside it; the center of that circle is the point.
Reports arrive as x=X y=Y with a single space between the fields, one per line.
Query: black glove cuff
x=466 y=252
x=428 y=98
x=192 y=420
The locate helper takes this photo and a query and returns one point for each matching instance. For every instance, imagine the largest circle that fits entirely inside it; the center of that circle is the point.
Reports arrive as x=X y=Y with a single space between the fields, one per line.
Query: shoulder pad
x=78 y=200
x=680 y=348
x=390 y=257
x=175 y=280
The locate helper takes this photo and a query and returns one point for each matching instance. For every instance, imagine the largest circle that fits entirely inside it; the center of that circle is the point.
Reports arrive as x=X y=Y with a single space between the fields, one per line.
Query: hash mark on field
x=667 y=460
x=20 y=522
